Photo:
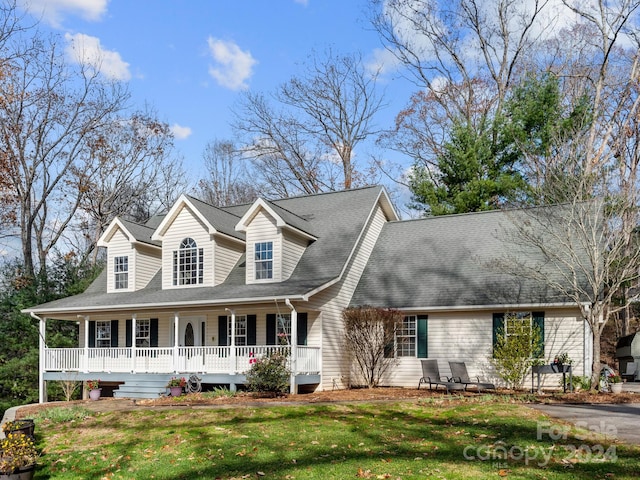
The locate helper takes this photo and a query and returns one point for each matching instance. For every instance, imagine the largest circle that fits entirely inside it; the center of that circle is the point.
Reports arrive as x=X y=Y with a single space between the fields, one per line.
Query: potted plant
x=18 y=456
x=26 y=426
x=615 y=382
x=175 y=385
x=93 y=386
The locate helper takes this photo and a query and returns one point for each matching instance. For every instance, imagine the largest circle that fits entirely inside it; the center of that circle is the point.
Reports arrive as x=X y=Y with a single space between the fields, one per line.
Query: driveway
x=620 y=421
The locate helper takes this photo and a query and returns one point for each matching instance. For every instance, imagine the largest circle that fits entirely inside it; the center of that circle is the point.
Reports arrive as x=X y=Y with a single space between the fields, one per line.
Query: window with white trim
x=103 y=334
x=143 y=333
x=188 y=263
x=241 y=330
x=263 y=259
x=121 y=272
x=406 y=334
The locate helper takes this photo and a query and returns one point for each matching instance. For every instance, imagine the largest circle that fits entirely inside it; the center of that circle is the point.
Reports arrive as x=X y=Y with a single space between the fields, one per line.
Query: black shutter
x=203 y=333
x=538 y=321
x=498 y=327
x=153 y=332
x=271 y=328
x=128 y=333
x=114 y=333
x=222 y=330
x=251 y=330
x=422 y=338
x=92 y=334
x=302 y=328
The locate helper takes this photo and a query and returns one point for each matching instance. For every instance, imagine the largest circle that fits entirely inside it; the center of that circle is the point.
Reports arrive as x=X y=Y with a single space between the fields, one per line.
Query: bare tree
x=589 y=249
x=464 y=55
x=228 y=180
x=306 y=142
x=124 y=172
x=370 y=340
x=49 y=113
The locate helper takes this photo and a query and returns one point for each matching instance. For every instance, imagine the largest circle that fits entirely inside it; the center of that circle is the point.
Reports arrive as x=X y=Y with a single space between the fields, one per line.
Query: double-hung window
x=188 y=263
x=263 y=258
x=406 y=336
x=143 y=333
x=121 y=272
x=241 y=330
x=103 y=334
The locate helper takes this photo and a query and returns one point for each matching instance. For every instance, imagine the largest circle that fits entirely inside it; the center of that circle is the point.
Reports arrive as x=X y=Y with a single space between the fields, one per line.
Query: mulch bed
x=333 y=396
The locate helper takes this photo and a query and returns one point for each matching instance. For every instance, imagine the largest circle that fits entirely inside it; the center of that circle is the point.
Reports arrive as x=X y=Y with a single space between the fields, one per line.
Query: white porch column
x=85 y=367
x=294 y=346
x=42 y=391
x=232 y=356
x=176 y=320
x=133 y=343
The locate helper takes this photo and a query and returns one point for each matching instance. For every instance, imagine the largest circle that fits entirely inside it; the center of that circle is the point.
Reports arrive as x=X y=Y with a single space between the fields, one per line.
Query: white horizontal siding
x=468 y=337
x=147 y=261
x=335 y=299
x=293 y=246
x=120 y=246
x=186 y=225
x=226 y=255
x=263 y=229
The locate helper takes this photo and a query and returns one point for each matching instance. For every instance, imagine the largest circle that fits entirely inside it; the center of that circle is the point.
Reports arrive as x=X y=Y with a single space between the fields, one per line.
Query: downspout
x=41 y=364
x=294 y=345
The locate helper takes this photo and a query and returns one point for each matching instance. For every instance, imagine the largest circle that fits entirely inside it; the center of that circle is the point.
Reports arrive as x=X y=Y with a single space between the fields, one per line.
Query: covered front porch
x=178 y=359
x=219 y=345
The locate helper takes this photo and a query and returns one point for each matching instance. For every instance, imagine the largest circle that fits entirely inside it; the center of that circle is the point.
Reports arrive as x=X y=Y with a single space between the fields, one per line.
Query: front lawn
x=445 y=438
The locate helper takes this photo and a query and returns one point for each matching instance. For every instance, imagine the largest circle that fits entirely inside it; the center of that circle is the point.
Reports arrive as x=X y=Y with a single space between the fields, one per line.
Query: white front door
x=190 y=331
x=189 y=336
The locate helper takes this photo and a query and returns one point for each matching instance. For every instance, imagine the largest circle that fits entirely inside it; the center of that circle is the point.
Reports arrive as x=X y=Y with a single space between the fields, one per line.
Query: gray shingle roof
x=339 y=216
x=222 y=220
x=444 y=262
x=141 y=233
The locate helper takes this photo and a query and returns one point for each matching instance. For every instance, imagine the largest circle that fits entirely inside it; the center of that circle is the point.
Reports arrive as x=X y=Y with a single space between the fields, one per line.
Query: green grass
x=381 y=440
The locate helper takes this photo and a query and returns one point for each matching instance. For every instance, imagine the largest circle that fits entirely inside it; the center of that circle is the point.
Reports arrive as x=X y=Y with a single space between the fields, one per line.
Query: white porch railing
x=211 y=359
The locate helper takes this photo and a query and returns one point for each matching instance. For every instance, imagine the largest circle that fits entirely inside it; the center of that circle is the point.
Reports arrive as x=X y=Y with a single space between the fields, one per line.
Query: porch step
x=141 y=389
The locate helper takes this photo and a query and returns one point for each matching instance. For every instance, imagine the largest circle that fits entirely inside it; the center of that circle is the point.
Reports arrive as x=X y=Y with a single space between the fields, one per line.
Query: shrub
x=513 y=355
x=269 y=375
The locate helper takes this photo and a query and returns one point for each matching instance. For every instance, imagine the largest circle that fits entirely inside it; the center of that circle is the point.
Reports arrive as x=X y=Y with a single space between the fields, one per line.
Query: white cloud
x=180 y=132
x=382 y=61
x=302 y=2
x=86 y=50
x=54 y=10
x=233 y=66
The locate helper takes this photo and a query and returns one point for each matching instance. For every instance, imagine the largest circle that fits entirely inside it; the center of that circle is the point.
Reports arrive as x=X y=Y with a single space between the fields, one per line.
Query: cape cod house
x=205 y=290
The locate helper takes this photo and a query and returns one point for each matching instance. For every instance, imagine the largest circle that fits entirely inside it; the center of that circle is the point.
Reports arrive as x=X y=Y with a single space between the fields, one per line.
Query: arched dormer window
x=188 y=263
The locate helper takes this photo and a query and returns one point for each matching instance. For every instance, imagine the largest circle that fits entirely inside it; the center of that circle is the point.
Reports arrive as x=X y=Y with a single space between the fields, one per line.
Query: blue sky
x=190 y=59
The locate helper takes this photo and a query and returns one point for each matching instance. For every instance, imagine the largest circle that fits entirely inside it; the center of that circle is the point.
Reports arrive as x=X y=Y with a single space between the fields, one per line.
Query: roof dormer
x=133 y=258
x=199 y=244
x=275 y=238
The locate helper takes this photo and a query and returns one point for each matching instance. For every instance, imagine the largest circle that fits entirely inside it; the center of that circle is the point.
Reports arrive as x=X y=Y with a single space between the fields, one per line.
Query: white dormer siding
x=120 y=246
x=186 y=225
x=141 y=263
x=226 y=254
x=263 y=229
x=147 y=263
x=293 y=246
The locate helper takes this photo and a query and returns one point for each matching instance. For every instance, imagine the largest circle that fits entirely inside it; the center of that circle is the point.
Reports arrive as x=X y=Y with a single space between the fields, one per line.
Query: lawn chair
x=431 y=375
x=460 y=375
